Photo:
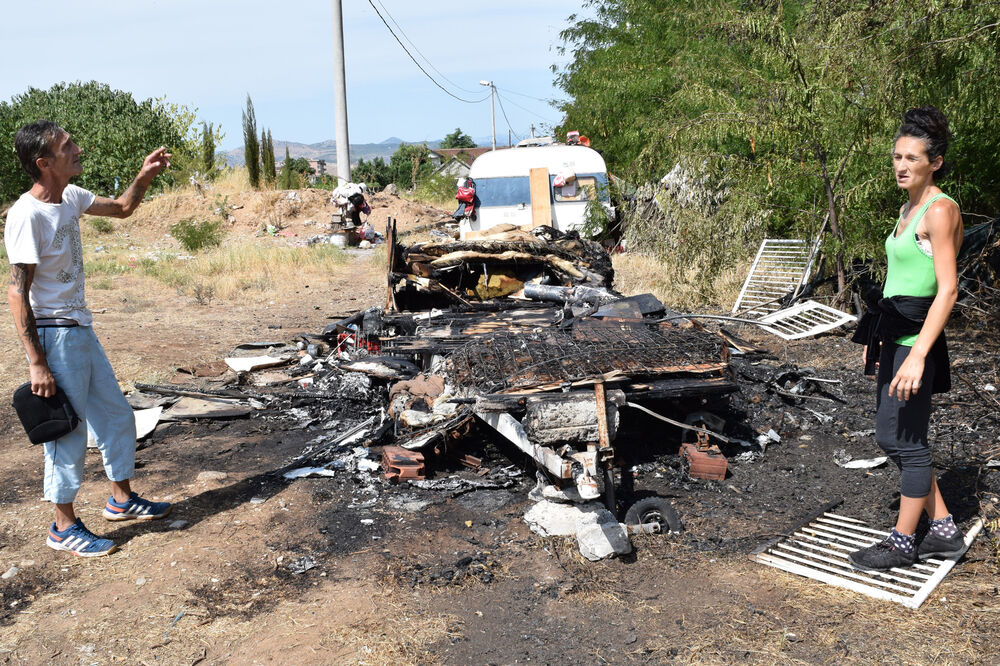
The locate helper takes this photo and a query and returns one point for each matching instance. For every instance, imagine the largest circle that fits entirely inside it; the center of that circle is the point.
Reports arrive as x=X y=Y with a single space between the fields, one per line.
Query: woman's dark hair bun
x=929 y=124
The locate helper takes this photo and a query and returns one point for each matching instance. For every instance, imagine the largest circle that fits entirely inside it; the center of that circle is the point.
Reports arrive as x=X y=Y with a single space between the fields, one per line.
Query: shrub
x=101 y=225
x=436 y=188
x=222 y=207
x=104 y=265
x=194 y=235
x=203 y=293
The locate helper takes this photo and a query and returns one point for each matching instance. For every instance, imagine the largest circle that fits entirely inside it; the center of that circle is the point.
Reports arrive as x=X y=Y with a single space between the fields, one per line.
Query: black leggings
x=901 y=427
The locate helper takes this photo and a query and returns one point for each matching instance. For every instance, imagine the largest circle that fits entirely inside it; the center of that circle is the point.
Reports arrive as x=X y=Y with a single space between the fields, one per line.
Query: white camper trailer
x=537 y=185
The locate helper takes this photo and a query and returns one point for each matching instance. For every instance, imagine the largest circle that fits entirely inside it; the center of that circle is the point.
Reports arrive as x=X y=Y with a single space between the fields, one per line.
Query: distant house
x=455 y=162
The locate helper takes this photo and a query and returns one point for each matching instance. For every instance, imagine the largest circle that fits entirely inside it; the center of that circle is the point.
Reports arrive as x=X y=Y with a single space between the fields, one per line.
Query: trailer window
x=503 y=191
x=579 y=189
x=583 y=188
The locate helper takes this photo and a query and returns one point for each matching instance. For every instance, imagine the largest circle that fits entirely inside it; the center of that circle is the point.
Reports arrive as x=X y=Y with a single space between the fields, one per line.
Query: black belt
x=54 y=322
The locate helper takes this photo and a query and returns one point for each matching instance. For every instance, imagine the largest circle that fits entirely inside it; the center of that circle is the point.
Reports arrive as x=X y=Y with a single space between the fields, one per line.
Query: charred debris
x=520 y=334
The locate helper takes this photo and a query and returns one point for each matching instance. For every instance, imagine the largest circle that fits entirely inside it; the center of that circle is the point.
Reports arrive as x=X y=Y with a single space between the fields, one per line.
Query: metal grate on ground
x=805 y=319
x=780 y=268
x=503 y=361
x=819 y=550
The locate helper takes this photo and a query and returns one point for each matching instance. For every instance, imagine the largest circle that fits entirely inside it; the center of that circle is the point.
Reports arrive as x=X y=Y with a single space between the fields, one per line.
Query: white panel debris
x=819 y=551
x=780 y=269
x=804 y=320
x=248 y=363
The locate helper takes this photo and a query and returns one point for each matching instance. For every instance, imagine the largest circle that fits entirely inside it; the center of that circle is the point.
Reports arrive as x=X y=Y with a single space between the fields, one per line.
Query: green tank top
x=911 y=271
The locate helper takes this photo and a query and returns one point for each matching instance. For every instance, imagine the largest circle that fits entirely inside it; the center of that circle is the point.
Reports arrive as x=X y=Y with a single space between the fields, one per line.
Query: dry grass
x=400 y=636
x=678 y=287
x=226 y=273
x=789 y=619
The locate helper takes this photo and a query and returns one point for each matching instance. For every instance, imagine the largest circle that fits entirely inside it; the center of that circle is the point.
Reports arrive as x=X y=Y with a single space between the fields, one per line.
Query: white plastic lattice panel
x=805 y=319
x=780 y=268
x=819 y=551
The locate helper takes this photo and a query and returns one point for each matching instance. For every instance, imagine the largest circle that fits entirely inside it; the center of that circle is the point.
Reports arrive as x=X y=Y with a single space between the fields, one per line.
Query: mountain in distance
x=327 y=150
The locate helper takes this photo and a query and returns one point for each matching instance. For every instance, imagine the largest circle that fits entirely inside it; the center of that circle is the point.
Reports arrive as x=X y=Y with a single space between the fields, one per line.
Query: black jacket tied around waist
x=890 y=318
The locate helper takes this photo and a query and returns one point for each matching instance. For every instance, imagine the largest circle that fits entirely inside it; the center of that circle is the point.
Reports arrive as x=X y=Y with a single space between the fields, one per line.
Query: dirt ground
x=325 y=570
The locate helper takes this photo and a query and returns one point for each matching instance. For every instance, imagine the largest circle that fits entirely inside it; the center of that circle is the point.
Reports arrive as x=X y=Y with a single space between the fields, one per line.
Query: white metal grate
x=780 y=268
x=819 y=551
x=805 y=319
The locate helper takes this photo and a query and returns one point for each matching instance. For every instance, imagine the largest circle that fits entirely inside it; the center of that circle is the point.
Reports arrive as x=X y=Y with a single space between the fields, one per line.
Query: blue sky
x=194 y=52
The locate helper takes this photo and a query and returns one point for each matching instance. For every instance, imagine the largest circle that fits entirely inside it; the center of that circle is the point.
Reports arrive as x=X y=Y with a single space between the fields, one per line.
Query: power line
x=533 y=113
x=512 y=92
x=419 y=66
x=505 y=116
x=417 y=49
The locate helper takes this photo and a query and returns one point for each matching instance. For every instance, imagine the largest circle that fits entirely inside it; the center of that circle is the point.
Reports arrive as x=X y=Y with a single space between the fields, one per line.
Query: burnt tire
x=654 y=510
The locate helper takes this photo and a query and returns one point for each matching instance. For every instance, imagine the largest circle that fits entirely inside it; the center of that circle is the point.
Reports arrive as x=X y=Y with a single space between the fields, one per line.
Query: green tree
x=301 y=165
x=288 y=181
x=267 y=157
x=375 y=173
x=207 y=150
x=458 y=140
x=408 y=164
x=785 y=110
x=114 y=130
x=251 y=146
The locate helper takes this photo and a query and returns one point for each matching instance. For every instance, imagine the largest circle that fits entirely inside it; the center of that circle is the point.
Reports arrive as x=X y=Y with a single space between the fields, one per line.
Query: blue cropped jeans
x=81 y=369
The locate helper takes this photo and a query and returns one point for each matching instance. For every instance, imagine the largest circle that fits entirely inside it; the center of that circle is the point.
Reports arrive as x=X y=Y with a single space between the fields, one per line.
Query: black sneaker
x=937 y=546
x=881 y=557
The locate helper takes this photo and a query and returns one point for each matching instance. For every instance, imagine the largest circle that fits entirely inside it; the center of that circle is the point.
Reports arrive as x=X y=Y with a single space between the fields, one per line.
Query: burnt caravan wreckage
x=521 y=331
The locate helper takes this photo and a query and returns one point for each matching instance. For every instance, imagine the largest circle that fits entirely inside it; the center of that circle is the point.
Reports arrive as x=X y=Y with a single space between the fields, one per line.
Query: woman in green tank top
x=922 y=276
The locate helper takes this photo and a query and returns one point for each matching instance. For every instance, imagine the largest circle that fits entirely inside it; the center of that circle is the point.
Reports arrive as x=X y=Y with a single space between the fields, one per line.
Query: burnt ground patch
x=18 y=593
x=257 y=588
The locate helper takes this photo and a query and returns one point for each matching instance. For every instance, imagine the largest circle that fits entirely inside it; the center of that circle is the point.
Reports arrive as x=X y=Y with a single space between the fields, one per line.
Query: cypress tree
x=251 y=148
x=286 y=172
x=207 y=149
x=267 y=161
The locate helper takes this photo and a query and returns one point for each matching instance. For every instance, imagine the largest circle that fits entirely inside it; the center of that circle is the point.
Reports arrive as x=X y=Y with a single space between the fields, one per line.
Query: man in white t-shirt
x=46 y=298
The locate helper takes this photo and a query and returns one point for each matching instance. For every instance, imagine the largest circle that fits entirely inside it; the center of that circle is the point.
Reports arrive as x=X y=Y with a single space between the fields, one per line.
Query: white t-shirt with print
x=48 y=235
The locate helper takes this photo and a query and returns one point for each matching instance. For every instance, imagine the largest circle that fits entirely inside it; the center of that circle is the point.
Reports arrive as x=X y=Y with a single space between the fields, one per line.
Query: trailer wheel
x=654 y=510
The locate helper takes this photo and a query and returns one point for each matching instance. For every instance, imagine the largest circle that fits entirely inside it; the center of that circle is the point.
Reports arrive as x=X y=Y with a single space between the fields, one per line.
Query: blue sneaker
x=136 y=508
x=80 y=541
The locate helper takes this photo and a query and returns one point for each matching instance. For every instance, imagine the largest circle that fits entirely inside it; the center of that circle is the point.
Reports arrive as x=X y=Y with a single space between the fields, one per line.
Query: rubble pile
x=580 y=381
x=442 y=273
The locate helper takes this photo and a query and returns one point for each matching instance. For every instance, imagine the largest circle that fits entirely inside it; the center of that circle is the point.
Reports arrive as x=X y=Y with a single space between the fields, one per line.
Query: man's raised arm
x=21 y=276
x=125 y=205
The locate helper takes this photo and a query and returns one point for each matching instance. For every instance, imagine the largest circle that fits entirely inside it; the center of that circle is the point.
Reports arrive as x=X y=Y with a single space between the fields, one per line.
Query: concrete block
x=550 y=519
x=600 y=541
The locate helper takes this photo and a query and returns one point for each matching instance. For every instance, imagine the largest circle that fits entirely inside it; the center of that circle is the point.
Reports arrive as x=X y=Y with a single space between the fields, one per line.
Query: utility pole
x=493 y=116
x=340 y=96
x=532 y=130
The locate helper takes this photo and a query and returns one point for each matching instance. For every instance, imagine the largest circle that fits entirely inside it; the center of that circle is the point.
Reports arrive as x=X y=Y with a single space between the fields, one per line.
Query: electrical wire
x=419 y=66
x=417 y=49
x=502 y=110
x=513 y=92
x=533 y=113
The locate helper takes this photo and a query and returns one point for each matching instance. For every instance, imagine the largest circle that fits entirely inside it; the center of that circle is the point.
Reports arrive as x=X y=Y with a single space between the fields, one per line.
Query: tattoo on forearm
x=133 y=195
x=24 y=317
x=19 y=278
